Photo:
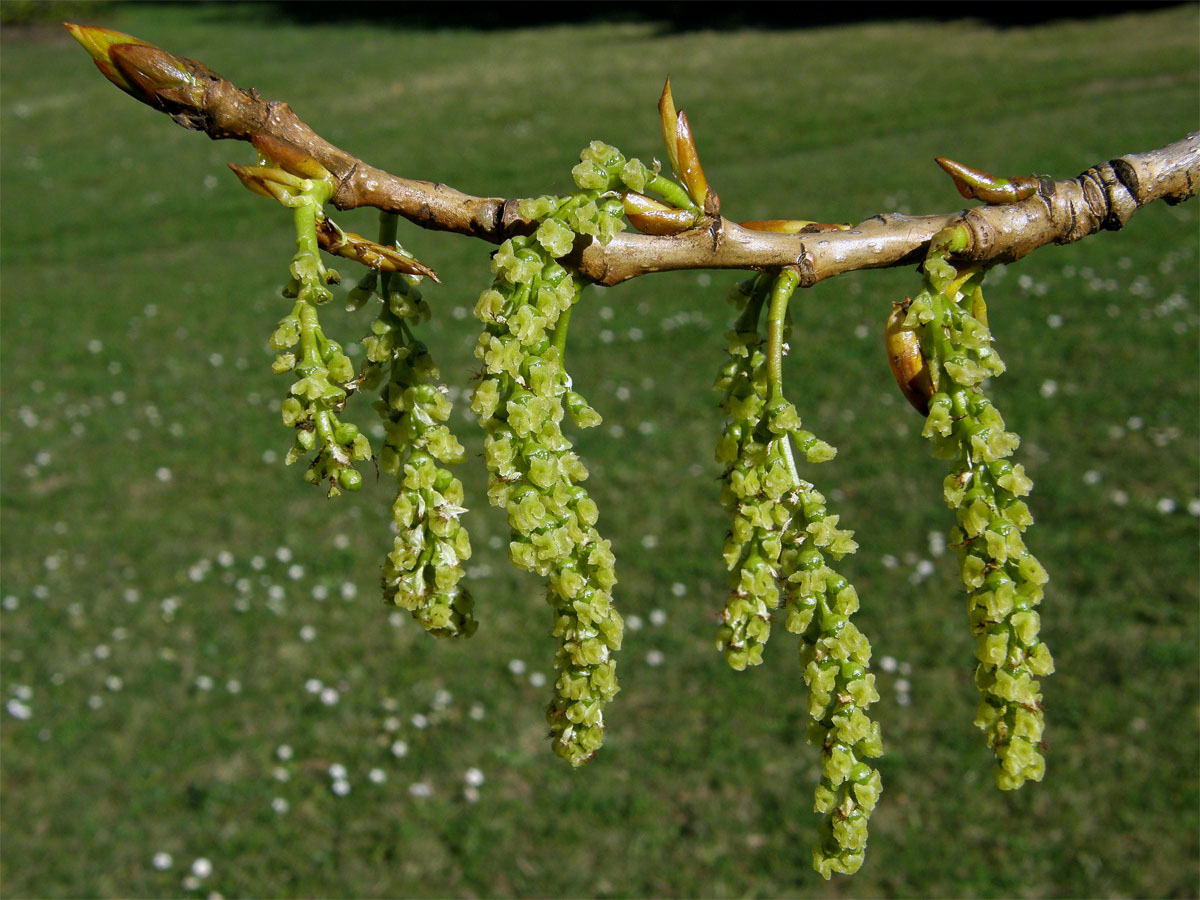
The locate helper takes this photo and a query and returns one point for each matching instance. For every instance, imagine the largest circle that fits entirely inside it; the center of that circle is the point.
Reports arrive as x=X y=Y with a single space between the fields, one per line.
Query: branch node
x=806 y=268
x=982 y=236
x=1119 y=194
x=510 y=221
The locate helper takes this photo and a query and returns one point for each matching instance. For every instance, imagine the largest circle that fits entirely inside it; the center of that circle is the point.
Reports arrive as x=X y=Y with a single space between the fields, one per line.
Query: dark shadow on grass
x=676 y=16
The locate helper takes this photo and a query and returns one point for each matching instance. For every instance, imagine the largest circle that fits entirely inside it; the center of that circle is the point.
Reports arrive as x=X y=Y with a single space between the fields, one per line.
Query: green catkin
x=423 y=571
x=1003 y=579
x=777 y=549
x=534 y=474
x=835 y=655
x=323 y=373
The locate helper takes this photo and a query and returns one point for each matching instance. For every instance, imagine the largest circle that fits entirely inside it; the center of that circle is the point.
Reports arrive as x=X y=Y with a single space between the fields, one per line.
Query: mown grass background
x=172 y=595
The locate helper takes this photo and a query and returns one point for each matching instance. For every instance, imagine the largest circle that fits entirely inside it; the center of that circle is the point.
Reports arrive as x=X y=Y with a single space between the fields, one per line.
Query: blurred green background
x=203 y=694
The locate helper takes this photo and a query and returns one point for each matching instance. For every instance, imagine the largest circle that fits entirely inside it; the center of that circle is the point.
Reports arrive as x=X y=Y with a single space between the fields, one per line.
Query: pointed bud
x=651 y=217
x=688 y=160
x=670 y=125
x=173 y=84
x=681 y=153
x=98 y=42
x=161 y=79
x=975 y=184
x=250 y=176
x=268 y=181
x=792 y=226
x=372 y=255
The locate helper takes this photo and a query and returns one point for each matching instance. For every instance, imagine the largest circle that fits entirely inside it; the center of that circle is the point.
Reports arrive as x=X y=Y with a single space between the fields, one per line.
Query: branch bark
x=1104 y=197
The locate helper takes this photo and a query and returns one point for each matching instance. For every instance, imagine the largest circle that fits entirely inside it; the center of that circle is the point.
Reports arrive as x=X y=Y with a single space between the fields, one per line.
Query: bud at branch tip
x=144 y=71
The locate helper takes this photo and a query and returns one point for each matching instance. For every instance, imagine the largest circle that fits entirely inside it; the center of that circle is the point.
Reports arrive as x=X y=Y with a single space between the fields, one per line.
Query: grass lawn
x=192 y=638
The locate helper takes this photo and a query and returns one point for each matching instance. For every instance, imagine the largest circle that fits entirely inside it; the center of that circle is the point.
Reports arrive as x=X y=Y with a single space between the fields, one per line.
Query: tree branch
x=1104 y=197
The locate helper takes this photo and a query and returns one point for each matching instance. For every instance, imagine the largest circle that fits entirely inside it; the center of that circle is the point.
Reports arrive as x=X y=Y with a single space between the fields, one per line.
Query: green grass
x=153 y=624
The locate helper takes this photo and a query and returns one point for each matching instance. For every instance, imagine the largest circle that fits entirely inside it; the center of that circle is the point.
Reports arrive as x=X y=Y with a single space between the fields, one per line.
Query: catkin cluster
x=423 y=571
x=1003 y=579
x=322 y=371
x=780 y=537
x=758 y=482
x=534 y=474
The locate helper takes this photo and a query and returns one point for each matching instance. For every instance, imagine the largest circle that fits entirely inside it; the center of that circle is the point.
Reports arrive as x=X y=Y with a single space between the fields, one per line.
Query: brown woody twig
x=1102 y=198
